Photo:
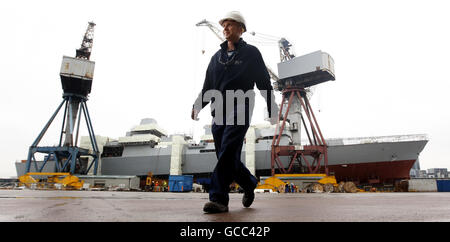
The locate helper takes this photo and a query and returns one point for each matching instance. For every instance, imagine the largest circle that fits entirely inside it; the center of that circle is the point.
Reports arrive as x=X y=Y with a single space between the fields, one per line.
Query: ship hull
x=386 y=172
x=382 y=162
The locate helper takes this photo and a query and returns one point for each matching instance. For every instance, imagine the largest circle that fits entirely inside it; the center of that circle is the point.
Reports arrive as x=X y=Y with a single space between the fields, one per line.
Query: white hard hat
x=236 y=16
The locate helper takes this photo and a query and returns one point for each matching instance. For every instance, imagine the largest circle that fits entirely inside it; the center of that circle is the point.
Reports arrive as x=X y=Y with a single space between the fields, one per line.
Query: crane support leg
x=314 y=154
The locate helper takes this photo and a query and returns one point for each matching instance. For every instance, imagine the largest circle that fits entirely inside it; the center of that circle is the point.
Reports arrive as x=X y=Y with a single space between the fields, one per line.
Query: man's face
x=232 y=30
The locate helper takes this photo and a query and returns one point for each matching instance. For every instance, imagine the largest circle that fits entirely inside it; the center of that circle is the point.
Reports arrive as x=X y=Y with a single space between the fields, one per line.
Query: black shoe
x=215 y=207
x=248 y=198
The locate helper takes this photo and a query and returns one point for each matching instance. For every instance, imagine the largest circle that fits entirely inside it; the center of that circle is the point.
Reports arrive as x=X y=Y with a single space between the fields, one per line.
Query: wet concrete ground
x=56 y=206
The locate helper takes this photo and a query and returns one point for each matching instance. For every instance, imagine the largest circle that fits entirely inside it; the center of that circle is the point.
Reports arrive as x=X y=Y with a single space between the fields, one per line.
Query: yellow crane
x=66 y=180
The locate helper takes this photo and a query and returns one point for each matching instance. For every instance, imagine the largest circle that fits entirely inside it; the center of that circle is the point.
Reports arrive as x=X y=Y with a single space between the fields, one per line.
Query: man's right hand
x=194 y=115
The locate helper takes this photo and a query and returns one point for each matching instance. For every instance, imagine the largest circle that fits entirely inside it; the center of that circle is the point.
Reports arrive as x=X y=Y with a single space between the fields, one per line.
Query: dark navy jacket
x=240 y=72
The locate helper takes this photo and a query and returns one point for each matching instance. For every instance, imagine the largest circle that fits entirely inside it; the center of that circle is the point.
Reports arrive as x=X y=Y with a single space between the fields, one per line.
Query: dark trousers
x=228 y=140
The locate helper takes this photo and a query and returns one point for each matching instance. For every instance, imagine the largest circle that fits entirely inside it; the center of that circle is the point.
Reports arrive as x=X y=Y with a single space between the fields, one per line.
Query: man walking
x=230 y=78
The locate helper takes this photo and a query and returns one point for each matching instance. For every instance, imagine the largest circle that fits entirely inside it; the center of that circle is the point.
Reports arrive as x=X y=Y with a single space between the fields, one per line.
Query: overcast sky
x=391 y=62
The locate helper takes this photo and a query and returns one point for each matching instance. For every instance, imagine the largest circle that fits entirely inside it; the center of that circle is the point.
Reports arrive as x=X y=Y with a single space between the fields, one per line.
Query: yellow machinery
x=321 y=178
x=272 y=183
x=153 y=184
x=328 y=180
x=148 y=182
x=276 y=182
x=68 y=181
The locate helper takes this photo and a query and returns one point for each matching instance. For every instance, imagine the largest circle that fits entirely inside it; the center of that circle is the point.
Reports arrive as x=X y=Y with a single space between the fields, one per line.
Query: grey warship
x=149 y=148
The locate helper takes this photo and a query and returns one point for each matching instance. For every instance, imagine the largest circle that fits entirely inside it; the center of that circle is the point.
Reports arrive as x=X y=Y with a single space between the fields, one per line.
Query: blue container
x=443 y=185
x=181 y=183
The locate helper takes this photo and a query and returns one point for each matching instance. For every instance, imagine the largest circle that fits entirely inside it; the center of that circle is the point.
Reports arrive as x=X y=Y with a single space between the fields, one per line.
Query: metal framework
x=317 y=147
x=68 y=158
x=285 y=50
x=84 y=52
